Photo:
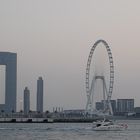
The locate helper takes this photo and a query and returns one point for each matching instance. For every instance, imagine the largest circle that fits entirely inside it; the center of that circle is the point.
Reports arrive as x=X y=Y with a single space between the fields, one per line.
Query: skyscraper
x=40 y=95
x=10 y=61
x=26 y=100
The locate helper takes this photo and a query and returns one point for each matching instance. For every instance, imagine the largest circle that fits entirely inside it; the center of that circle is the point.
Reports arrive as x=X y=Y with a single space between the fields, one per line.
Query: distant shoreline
x=68 y=120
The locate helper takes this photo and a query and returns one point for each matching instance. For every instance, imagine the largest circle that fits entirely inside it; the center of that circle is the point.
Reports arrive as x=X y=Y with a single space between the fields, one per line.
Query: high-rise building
x=125 y=105
x=40 y=95
x=10 y=61
x=26 y=100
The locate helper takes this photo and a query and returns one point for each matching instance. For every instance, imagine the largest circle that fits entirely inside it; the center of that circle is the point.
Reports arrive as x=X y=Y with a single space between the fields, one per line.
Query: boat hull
x=110 y=128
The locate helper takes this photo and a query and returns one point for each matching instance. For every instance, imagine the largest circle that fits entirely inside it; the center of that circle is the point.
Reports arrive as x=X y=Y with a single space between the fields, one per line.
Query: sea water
x=66 y=131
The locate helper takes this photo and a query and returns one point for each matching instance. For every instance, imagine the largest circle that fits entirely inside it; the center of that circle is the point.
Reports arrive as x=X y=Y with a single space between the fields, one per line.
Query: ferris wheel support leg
x=110 y=106
x=89 y=105
x=104 y=92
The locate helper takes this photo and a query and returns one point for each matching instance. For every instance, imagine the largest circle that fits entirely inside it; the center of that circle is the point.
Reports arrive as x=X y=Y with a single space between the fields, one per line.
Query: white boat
x=107 y=125
x=98 y=123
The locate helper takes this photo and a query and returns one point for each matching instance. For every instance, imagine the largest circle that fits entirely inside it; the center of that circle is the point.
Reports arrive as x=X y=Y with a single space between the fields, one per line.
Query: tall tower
x=40 y=95
x=26 y=100
x=10 y=61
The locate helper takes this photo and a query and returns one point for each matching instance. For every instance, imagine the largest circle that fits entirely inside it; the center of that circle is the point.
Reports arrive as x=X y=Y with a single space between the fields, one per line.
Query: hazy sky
x=53 y=39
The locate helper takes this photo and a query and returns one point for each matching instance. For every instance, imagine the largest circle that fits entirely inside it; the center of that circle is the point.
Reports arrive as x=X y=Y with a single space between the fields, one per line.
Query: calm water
x=66 y=131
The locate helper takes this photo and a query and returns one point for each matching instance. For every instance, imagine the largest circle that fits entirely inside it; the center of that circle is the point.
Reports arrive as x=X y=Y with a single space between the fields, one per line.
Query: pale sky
x=53 y=39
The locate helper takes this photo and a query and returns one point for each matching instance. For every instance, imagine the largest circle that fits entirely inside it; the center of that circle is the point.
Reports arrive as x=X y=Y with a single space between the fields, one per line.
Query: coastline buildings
x=119 y=107
x=10 y=61
x=125 y=106
x=26 y=100
x=40 y=95
x=100 y=105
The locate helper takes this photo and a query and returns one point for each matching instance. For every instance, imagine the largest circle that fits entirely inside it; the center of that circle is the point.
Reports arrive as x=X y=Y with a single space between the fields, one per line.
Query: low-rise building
x=124 y=106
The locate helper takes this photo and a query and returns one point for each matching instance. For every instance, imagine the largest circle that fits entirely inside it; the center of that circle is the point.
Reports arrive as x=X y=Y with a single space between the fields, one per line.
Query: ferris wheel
x=107 y=85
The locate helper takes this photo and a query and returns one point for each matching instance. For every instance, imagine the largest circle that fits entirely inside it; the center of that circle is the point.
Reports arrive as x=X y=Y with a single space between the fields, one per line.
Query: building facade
x=10 y=61
x=40 y=95
x=125 y=105
x=26 y=100
x=99 y=105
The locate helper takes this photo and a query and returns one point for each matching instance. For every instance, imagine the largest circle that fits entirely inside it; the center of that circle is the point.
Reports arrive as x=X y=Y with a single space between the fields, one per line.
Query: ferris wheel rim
x=111 y=81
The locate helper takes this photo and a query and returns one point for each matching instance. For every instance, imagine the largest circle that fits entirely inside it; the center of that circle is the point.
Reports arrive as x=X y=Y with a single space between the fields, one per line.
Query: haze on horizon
x=53 y=39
